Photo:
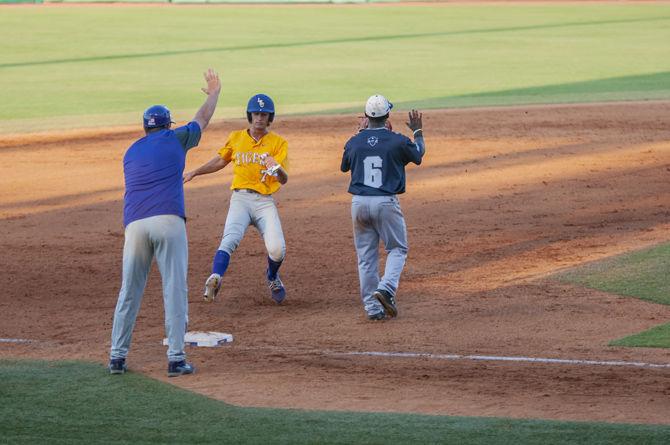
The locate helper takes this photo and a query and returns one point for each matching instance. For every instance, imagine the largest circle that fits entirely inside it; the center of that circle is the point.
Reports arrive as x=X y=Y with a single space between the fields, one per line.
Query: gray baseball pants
x=375 y=218
x=249 y=208
x=162 y=237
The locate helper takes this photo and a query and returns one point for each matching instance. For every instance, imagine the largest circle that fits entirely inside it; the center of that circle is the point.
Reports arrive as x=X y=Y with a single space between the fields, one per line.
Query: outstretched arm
x=214 y=165
x=212 y=91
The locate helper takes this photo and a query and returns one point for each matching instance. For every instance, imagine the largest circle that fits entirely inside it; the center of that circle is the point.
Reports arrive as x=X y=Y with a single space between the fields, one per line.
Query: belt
x=248 y=191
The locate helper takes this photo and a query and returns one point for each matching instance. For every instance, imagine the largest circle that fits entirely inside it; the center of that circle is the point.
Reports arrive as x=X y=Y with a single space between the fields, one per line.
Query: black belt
x=248 y=191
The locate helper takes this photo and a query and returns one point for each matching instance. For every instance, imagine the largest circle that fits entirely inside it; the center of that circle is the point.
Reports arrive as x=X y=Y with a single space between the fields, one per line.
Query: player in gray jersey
x=377 y=157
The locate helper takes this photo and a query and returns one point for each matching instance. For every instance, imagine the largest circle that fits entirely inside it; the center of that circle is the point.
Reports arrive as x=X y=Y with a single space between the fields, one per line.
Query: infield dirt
x=505 y=198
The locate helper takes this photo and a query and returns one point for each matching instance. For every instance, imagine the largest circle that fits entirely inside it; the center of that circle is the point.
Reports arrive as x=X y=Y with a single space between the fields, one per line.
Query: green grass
x=82 y=66
x=657 y=337
x=71 y=402
x=642 y=274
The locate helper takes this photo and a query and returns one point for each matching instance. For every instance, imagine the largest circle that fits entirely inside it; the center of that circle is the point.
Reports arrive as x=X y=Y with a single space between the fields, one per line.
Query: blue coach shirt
x=377 y=160
x=153 y=167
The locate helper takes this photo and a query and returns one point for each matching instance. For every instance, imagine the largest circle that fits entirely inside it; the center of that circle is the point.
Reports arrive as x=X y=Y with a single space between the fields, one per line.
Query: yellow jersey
x=246 y=155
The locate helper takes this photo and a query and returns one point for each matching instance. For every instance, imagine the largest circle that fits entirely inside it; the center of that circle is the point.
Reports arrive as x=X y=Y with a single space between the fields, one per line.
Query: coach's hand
x=213 y=83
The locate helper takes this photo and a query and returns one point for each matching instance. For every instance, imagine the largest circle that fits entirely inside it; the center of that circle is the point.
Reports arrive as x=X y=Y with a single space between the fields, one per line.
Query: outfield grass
x=79 y=66
x=642 y=274
x=71 y=402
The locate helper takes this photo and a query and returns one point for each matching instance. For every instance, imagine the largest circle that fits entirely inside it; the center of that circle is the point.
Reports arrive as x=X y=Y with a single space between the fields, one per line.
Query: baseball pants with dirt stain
x=375 y=218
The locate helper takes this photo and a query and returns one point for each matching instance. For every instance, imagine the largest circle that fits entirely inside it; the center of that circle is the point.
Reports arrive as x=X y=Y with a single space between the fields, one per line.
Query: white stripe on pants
x=164 y=237
x=376 y=217
x=248 y=208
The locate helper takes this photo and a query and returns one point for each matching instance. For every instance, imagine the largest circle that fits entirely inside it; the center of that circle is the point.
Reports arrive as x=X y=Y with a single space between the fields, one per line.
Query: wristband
x=418 y=129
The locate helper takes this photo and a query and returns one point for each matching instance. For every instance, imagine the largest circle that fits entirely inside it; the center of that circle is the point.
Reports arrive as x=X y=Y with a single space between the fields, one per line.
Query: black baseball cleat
x=175 y=369
x=387 y=300
x=377 y=316
x=117 y=366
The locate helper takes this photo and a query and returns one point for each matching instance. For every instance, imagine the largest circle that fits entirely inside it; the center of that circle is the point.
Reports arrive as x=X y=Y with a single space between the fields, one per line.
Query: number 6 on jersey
x=372 y=171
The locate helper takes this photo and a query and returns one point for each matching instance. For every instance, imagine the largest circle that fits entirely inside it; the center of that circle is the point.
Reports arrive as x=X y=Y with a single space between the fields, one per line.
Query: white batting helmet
x=377 y=106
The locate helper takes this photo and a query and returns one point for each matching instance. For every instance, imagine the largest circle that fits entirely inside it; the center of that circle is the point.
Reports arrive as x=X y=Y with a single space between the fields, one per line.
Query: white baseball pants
x=249 y=208
x=375 y=218
x=162 y=237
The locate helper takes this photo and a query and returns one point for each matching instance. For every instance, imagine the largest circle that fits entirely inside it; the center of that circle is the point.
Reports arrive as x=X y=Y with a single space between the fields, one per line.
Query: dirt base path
x=504 y=198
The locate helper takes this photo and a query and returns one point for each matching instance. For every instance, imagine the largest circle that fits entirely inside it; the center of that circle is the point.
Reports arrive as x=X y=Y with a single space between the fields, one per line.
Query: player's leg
x=171 y=247
x=137 y=257
x=266 y=219
x=393 y=232
x=237 y=221
x=366 y=241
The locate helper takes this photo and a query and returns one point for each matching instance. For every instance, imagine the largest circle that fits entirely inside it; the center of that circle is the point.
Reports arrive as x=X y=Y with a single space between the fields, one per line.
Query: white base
x=207 y=339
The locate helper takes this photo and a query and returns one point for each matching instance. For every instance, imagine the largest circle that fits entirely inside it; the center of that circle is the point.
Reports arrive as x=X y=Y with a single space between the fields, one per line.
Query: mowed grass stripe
x=72 y=402
x=78 y=64
x=382 y=38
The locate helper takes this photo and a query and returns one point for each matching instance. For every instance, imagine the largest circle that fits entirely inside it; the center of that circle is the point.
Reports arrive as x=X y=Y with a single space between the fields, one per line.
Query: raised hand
x=213 y=82
x=415 y=122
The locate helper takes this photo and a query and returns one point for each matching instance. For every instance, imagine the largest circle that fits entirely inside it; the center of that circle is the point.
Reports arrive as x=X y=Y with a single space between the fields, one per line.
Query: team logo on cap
x=152 y=121
x=372 y=141
x=261 y=102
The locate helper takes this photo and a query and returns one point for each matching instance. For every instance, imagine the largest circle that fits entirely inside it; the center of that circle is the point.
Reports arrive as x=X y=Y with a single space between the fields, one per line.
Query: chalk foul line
x=15 y=340
x=503 y=359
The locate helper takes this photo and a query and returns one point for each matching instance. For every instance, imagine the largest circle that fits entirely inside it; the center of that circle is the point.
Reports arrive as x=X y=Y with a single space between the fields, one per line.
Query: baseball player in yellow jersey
x=260 y=163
